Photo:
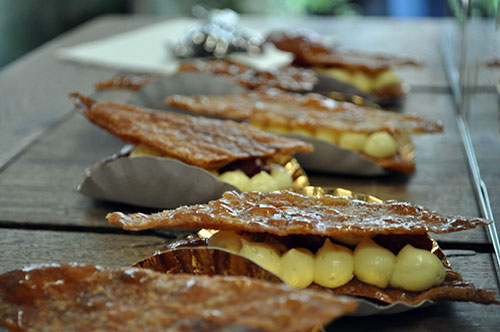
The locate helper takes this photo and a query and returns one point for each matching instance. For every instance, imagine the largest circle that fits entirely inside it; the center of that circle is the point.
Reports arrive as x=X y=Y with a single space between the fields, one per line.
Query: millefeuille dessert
x=369 y=72
x=77 y=297
x=377 y=250
x=288 y=78
x=235 y=153
x=379 y=136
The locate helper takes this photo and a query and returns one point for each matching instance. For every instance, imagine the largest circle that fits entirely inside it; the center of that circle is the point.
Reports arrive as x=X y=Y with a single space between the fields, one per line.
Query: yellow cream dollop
x=297 y=267
x=265 y=255
x=327 y=136
x=364 y=82
x=380 y=145
x=353 y=141
x=236 y=178
x=333 y=265
x=417 y=270
x=373 y=264
x=143 y=150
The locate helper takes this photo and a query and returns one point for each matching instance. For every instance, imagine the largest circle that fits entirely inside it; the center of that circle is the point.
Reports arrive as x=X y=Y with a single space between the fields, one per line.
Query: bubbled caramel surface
x=310 y=112
x=130 y=82
x=206 y=143
x=310 y=52
x=88 y=298
x=288 y=78
x=284 y=213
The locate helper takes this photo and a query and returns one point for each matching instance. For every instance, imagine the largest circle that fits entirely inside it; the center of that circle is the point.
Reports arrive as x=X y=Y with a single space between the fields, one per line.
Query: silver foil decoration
x=217 y=35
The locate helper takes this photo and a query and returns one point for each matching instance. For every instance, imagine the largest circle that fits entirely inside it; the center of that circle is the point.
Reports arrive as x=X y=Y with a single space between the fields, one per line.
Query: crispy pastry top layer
x=288 y=78
x=88 y=298
x=131 y=82
x=202 y=142
x=309 y=52
x=310 y=111
x=284 y=213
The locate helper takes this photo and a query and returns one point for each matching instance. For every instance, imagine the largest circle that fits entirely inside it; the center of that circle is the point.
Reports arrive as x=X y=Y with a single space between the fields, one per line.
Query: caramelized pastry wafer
x=397 y=163
x=288 y=78
x=310 y=52
x=323 y=119
x=197 y=141
x=284 y=213
x=84 y=297
x=369 y=73
x=310 y=112
x=130 y=82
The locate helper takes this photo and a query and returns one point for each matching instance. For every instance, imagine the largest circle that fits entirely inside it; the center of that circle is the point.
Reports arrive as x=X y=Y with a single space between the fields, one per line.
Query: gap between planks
x=169 y=235
x=88 y=229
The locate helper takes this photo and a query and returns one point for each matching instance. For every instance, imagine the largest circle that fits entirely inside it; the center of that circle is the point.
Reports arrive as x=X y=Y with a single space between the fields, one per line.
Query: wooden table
x=45 y=147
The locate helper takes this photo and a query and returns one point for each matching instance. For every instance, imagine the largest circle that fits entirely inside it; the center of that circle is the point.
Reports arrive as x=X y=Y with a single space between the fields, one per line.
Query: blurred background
x=27 y=24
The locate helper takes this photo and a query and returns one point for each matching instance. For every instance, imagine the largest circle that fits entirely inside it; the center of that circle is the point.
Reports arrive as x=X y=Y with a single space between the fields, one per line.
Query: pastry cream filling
x=278 y=179
x=143 y=150
x=378 y=145
x=334 y=265
x=364 y=82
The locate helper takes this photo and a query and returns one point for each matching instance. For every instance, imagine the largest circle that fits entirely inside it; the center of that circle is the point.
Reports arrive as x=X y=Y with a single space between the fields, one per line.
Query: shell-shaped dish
x=162 y=183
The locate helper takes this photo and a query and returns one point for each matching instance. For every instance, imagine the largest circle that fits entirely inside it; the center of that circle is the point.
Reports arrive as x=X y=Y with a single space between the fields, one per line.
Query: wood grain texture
x=484 y=126
x=33 y=89
x=25 y=247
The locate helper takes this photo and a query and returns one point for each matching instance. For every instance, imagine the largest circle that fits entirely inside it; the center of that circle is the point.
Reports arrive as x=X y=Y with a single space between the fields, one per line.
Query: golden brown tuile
x=310 y=112
x=89 y=298
x=287 y=78
x=311 y=52
x=284 y=213
x=206 y=143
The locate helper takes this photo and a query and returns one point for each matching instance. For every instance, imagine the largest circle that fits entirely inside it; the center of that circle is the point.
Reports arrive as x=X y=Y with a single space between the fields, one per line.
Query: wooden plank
x=33 y=89
x=485 y=132
x=25 y=247
x=40 y=187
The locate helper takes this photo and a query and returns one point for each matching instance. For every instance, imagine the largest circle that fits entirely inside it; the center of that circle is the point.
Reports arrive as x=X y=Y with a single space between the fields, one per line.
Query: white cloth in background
x=147 y=50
